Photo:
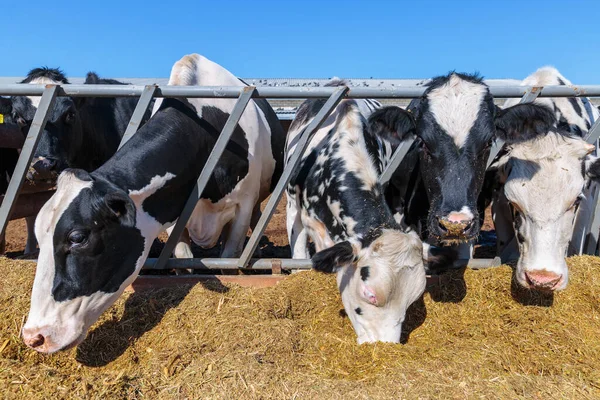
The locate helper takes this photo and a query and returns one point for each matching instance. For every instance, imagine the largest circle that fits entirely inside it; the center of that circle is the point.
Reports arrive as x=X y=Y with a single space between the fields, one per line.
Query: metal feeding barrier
x=243 y=94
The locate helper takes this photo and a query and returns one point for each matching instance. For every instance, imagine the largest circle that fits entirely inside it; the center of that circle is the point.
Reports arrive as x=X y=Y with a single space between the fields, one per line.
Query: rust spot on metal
x=276 y=266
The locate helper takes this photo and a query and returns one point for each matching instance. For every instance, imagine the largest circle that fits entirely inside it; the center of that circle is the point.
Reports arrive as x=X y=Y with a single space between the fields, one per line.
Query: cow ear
x=392 y=124
x=334 y=257
x=121 y=207
x=524 y=122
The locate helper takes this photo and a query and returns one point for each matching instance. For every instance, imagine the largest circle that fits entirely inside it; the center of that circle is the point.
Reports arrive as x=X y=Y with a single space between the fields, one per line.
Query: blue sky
x=312 y=39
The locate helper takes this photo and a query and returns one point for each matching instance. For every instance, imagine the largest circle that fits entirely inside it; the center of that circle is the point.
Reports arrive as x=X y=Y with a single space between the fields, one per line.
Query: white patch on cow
x=35 y=100
x=465 y=213
x=353 y=149
x=544 y=180
x=456 y=105
x=395 y=280
x=149 y=226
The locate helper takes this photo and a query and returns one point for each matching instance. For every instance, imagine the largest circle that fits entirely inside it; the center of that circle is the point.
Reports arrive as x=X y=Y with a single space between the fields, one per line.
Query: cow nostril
x=35 y=341
x=467 y=225
x=441 y=225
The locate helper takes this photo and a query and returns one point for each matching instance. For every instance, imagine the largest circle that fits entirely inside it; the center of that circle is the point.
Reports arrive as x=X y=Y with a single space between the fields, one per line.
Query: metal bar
x=286 y=264
x=403 y=92
x=397 y=158
x=206 y=173
x=591 y=237
x=293 y=163
x=594 y=133
x=33 y=137
x=138 y=113
x=531 y=93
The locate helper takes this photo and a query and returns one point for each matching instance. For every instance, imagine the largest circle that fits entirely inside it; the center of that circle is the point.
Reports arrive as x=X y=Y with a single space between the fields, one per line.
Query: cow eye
x=70 y=117
x=77 y=238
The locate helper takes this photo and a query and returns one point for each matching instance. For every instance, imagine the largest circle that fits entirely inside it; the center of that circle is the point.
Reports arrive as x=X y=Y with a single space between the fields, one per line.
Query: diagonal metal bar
x=594 y=133
x=211 y=162
x=138 y=113
x=294 y=162
x=397 y=158
x=530 y=95
x=33 y=137
x=590 y=239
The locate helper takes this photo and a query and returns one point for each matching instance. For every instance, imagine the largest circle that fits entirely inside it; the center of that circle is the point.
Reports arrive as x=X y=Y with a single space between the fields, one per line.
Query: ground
x=473 y=335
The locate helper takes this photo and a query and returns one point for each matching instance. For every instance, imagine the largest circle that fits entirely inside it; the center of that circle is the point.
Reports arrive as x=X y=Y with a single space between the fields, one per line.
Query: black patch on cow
x=364 y=273
x=358 y=311
x=108 y=245
x=55 y=74
x=576 y=107
x=524 y=122
x=560 y=81
x=336 y=256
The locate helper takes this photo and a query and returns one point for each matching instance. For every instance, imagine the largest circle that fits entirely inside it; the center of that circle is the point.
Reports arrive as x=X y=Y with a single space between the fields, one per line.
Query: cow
x=97 y=229
x=80 y=132
x=335 y=198
x=437 y=186
x=540 y=183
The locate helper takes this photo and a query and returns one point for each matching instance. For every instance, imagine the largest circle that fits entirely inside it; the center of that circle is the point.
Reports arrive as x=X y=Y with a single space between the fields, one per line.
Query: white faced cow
x=542 y=182
x=96 y=231
x=336 y=199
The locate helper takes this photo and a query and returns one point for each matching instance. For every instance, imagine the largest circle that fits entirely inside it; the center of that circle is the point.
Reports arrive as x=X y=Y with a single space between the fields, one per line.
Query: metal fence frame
x=243 y=94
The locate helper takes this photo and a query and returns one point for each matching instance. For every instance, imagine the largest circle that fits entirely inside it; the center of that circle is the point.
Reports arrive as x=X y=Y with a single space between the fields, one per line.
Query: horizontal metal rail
x=406 y=92
x=284 y=264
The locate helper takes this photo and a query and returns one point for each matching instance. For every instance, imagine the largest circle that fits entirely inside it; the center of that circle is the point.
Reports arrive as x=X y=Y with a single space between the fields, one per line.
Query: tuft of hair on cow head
x=392 y=124
x=334 y=257
x=524 y=122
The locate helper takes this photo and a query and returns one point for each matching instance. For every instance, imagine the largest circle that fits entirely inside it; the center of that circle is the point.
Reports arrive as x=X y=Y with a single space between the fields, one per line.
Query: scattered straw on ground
x=293 y=341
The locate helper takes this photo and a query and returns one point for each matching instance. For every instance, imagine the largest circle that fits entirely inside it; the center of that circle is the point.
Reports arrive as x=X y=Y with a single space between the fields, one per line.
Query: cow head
x=377 y=283
x=455 y=126
x=61 y=139
x=90 y=250
x=544 y=178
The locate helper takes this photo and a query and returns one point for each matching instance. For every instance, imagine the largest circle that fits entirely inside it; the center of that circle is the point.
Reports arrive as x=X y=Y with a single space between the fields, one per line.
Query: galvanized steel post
x=138 y=113
x=33 y=137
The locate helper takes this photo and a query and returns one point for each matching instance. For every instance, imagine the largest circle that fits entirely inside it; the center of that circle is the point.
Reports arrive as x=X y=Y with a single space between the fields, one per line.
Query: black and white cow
x=539 y=186
x=96 y=231
x=335 y=198
x=437 y=185
x=81 y=132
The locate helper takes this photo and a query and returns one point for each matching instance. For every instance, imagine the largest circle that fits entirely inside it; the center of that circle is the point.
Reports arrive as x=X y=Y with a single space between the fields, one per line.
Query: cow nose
x=455 y=223
x=33 y=338
x=43 y=164
x=542 y=279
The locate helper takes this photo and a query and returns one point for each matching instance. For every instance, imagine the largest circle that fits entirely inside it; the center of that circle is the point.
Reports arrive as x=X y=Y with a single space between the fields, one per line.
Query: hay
x=292 y=341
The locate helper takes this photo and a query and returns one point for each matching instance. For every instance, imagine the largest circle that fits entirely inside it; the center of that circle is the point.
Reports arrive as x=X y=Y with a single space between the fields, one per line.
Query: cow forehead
x=455 y=106
x=68 y=188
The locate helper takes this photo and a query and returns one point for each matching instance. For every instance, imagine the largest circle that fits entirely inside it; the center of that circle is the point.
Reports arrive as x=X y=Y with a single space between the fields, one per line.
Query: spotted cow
x=539 y=185
x=335 y=198
x=96 y=230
